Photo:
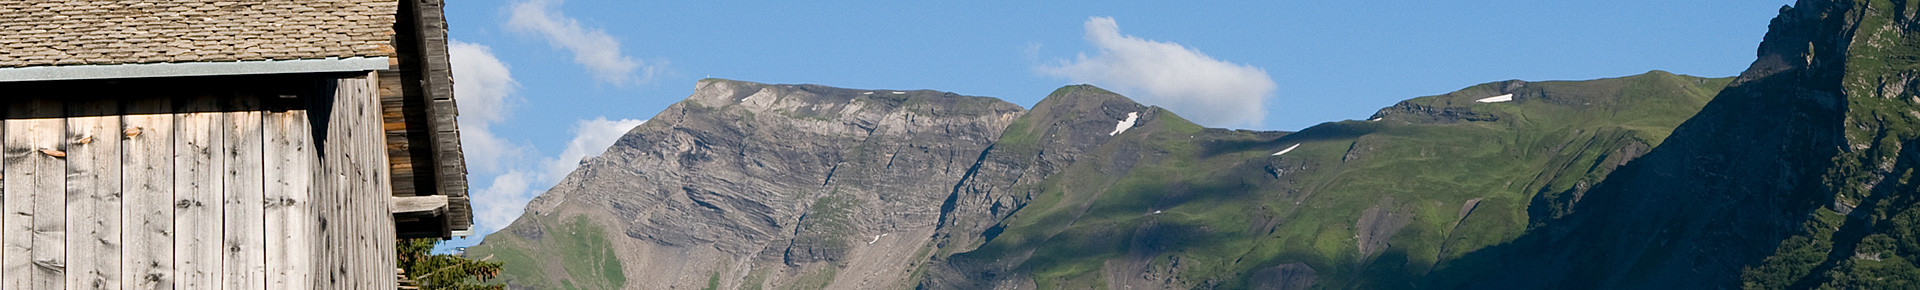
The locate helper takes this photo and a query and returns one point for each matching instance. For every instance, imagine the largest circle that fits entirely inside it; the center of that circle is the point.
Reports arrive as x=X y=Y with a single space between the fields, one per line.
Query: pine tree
x=441 y=271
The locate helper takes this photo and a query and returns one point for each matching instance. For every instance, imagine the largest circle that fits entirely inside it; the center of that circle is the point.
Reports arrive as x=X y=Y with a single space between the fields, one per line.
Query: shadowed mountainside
x=1798 y=175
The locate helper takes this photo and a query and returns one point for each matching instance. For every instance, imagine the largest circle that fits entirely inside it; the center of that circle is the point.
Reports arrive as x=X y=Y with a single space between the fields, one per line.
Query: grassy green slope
x=1217 y=205
x=575 y=255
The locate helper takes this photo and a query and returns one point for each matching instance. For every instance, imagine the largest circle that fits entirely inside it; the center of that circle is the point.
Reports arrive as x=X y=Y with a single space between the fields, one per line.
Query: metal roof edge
x=187 y=69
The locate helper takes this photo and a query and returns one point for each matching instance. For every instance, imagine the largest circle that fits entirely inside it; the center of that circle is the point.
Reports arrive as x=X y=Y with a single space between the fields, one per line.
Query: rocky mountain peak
x=747 y=176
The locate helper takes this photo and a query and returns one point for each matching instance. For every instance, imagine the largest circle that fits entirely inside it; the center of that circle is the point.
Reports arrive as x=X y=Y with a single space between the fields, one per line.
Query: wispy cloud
x=515 y=171
x=485 y=90
x=591 y=47
x=1196 y=86
x=590 y=138
x=506 y=197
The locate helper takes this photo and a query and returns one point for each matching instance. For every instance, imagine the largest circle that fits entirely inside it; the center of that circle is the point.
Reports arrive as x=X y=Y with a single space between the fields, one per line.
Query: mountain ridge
x=1798 y=173
x=691 y=187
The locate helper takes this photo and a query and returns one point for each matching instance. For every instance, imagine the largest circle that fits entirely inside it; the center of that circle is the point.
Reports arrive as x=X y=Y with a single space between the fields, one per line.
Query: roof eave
x=188 y=69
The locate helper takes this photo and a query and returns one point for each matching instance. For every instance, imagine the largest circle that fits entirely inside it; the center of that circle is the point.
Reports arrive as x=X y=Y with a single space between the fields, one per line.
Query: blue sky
x=543 y=83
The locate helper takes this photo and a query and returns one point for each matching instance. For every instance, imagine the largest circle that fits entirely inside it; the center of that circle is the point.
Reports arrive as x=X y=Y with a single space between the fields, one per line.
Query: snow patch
x=1376 y=119
x=876 y=239
x=899 y=93
x=1284 y=151
x=867 y=93
x=1497 y=99
x=1125 y=124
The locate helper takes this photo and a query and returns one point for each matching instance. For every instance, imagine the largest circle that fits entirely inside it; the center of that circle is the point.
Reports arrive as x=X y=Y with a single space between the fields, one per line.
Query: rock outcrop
x=753 y=184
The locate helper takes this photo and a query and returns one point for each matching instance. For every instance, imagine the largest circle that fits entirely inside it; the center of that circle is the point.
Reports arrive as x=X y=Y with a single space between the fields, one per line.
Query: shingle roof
x=62 y=32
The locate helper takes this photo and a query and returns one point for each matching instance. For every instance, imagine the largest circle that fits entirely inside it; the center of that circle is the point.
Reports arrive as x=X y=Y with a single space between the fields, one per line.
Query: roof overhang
x=187 y=69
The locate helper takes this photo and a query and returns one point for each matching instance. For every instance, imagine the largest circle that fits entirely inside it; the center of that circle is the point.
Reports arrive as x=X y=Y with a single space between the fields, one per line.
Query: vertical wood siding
x=93 y=195
x=289 y=211
x=196 y=189
x=147 y=202
x=244 y=189
x=203 y=191
x=353 y=196
x=36 y=196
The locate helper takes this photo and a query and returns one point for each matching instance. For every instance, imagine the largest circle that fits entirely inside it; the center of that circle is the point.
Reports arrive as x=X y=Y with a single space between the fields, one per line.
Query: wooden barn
x=194 y=144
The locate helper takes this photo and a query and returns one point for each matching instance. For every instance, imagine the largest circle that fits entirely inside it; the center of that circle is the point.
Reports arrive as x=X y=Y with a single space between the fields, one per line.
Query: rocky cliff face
x=1071 y=124
x=1062 y=129
x=746 y=184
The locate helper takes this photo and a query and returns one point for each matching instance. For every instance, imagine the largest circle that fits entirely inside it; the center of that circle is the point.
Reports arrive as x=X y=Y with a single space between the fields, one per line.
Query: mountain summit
x=1796 y=174
x=755 y=182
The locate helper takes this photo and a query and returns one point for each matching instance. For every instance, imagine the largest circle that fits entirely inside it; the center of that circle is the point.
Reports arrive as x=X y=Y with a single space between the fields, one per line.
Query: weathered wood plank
x=93 y=194
x=35 y=198
x=15 y=209
x=326 y=196
x=352 y=189
x=378 y=173
x=413 y=204
x=245 y=261
x=147 y=204
x=289 y=212
x=198 y=138
x=329 y=196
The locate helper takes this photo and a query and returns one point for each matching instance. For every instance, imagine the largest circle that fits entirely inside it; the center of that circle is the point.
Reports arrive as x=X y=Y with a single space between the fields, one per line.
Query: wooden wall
x=192 y=187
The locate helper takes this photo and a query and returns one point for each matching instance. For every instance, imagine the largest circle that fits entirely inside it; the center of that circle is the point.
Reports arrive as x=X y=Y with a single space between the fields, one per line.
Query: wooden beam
x=147 y=202
x=93 y=194
x=436 y=204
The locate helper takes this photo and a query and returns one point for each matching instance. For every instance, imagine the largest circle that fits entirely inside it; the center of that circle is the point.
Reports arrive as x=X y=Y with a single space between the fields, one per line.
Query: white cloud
x=515 y=171
x=502 y=201
x=1192 y=84
x=506 y=197
x=590 y=138
x=485 y=83
x=484 y=90
x=591 y=47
